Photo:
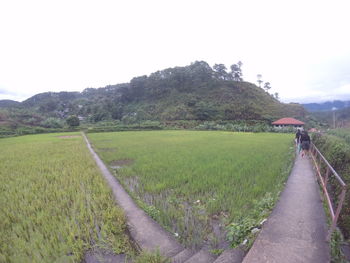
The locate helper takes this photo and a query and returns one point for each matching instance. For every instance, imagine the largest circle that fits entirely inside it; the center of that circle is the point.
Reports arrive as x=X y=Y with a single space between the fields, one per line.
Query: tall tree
x=236 y=72
x=73 y=121
x=267 y=86
x=220 y=71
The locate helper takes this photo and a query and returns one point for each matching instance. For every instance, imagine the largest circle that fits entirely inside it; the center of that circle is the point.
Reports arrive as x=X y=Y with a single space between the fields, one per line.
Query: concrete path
x=296 y=229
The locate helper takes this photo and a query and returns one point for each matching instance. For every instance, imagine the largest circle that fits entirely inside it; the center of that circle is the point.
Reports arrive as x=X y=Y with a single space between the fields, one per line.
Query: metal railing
x=325 y=172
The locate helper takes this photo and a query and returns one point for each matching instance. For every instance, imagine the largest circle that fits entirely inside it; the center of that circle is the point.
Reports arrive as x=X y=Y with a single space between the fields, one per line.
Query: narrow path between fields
x=296 y=229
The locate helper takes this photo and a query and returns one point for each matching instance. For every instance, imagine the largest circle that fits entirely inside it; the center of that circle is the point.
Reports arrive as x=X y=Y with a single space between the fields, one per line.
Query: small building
x=288 y=122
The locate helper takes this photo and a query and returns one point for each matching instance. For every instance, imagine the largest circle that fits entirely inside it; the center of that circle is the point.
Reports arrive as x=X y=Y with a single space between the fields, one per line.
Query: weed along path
x=296 y=230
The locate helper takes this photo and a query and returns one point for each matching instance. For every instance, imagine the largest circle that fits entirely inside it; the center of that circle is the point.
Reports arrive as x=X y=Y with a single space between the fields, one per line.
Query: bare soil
x=117 y=164
x=107 y=149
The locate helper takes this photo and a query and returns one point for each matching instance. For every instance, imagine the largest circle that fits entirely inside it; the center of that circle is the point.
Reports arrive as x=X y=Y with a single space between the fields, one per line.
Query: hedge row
x=192 y=125
x=25 y=130
x=342 y=133
x=337 y=151
x=122 y=128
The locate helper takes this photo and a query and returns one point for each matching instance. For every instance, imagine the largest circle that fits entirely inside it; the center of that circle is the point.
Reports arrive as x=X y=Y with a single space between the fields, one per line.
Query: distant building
x=288 y=122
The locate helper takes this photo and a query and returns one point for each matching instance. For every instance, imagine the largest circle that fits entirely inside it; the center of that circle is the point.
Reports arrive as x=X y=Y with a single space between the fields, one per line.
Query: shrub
x=73 y=121
x=337 y=152
x=52 y=123
x=342 y=133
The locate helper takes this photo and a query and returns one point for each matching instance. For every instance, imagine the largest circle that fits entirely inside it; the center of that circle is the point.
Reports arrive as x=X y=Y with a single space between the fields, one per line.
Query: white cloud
x=343 y=89
x=71 y=45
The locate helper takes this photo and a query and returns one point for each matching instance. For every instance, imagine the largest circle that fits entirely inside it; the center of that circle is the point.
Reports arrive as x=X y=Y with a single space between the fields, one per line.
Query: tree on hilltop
x=220 y=71
x=236 y=71
x=267 y=86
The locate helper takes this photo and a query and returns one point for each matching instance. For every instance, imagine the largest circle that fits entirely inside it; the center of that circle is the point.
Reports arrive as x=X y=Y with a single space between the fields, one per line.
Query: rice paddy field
x=194 y=183
x=54 y=203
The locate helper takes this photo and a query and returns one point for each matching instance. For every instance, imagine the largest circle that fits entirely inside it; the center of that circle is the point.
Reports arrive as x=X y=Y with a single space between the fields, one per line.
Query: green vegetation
x=243 y=229
x=238 y=126
x=151 y=257
x=191 y=180
x=73 y=121
x=196 y=92
x=341 y=133
x=15 y=122
x=337 y=151
x=336 y=242
x=54 y=203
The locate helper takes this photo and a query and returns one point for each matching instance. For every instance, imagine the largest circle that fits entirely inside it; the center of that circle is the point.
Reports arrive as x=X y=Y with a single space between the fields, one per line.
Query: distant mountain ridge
x=9 y=103
x=327 y=106
x=193 y=92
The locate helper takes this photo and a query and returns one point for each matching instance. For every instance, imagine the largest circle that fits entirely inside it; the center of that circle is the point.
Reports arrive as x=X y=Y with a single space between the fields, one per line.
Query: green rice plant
x=194 y=178
x=245 y=229
x=54 y=202
x=150 y=257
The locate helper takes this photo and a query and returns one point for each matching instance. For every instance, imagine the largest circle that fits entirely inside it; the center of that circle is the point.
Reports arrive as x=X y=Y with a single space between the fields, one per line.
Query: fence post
x=337 y=213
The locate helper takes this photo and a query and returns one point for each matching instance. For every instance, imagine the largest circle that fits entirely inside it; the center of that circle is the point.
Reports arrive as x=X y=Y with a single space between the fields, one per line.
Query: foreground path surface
x=145 y=231
x=296 y=229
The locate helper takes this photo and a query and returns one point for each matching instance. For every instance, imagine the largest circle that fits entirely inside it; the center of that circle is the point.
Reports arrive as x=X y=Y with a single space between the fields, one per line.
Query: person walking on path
x=297 y=140
x=305 y=143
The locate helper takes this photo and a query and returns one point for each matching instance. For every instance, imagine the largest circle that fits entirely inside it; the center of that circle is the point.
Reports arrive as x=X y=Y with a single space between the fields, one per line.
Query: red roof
x=288 y=121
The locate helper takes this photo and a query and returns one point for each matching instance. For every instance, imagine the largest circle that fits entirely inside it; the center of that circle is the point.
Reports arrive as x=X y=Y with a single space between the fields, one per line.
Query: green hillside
x=194 y=92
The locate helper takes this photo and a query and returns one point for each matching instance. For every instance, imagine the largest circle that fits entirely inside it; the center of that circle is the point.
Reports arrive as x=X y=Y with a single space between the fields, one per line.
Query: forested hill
x=194 y=92
x=9 y=103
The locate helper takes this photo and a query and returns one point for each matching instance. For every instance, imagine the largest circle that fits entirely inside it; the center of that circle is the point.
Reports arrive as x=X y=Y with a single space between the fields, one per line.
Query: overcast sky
x=301 y=47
